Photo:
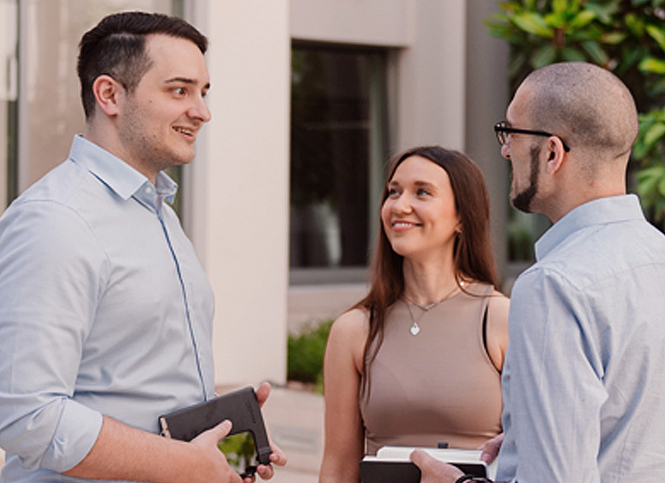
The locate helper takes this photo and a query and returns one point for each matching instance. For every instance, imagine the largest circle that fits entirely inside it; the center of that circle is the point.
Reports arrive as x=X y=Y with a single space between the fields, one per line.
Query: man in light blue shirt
x=584 y=377
x=105 y=311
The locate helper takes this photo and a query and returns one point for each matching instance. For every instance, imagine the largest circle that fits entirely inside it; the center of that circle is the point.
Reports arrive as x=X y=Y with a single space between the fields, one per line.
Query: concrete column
x=486 y=101
x=239 y=207
x=431 y=76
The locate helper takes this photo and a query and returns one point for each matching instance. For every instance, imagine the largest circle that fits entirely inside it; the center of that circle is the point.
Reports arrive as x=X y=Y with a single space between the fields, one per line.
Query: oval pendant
x=414 y=329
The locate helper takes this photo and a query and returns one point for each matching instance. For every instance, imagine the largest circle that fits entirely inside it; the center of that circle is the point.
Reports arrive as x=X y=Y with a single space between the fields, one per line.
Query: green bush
x=305 y=353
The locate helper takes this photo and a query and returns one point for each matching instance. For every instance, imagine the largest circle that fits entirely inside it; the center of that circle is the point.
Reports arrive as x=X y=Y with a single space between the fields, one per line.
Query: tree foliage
x=624 y=36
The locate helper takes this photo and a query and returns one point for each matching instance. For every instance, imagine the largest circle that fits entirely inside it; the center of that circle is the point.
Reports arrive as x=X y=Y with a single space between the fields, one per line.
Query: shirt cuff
x=74 y=437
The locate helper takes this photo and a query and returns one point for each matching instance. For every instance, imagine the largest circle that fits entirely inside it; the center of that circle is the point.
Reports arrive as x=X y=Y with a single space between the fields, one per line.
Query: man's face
x=524 y=154
x=159 y=121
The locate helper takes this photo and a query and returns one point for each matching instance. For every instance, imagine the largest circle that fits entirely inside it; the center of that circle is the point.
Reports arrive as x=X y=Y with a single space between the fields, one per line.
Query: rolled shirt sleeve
x=49 y=288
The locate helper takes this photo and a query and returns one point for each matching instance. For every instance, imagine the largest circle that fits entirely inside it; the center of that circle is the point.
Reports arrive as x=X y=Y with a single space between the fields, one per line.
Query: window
x=338 y=147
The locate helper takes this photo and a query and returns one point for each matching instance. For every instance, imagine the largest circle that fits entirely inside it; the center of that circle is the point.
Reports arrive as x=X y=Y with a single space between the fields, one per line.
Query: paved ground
x=295 y=422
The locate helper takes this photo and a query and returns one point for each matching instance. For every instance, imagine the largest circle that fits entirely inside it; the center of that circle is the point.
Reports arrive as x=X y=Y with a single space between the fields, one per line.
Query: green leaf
x=633 y=56
x=559 y=6
x=651 y=64
x=635 y=24
x=543 y=56
x=651 y=175
x=661 y=186
x=572 y=54
x=658 y=87
x=516 y=64
x=533 y=23
x=556 y=20
x=530 y=4
x=604 y=11
x=575 y=5
x=654 y=133
x=582 y=19
x=640 y=150
x=657 y=34
x=596 y=52
x=647 y=179
x=613 y=38
x=645 y=184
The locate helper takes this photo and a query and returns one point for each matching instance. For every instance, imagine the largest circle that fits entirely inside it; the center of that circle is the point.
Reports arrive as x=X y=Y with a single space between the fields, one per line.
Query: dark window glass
x=334 y=138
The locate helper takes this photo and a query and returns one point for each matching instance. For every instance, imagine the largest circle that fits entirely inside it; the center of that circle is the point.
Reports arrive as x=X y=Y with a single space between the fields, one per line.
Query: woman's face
x=419 y=215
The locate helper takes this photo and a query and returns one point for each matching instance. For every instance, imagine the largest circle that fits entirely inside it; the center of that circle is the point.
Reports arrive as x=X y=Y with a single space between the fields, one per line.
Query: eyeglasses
x=502 y=130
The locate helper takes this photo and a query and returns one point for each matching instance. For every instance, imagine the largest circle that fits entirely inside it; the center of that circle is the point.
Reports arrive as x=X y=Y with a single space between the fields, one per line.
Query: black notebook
x=392 y=465
x=247 y=444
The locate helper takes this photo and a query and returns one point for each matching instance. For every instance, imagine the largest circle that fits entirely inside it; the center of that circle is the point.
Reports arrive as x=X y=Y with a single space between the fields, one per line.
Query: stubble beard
x=149 y=150
x=523 y=200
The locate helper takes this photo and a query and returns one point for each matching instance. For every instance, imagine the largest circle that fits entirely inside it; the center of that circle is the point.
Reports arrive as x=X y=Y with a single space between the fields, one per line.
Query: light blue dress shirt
x=584 y=376
x=104 y=310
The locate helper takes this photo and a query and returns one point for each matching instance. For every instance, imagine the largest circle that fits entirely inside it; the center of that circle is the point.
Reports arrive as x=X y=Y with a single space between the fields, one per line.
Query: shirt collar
x=119 y=176
x=596 y=212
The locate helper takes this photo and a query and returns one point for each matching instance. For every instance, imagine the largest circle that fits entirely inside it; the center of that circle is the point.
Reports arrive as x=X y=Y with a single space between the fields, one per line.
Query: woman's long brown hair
x=472 y=253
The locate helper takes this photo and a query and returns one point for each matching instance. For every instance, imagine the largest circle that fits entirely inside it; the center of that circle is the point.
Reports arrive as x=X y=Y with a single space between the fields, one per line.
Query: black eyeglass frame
x=501 y=130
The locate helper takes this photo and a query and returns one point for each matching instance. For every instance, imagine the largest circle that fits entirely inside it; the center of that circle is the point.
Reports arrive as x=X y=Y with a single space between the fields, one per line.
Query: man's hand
x=433 y=470
x=491 y=449
x=277 y=457
x=207 y=442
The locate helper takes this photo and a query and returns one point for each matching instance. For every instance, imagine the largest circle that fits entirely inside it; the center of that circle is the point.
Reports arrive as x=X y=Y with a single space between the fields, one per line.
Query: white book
x=392 y=464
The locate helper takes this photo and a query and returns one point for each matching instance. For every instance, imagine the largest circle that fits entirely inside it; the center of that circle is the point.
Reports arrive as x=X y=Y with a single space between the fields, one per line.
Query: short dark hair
x=116 y=47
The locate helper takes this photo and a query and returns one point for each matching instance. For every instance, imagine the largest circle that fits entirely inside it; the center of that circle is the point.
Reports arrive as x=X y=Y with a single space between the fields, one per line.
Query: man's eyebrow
x=185 y=80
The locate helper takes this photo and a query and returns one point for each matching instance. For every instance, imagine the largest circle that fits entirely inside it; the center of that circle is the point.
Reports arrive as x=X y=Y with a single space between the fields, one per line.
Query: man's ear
x=107 y=93
x=556 y=155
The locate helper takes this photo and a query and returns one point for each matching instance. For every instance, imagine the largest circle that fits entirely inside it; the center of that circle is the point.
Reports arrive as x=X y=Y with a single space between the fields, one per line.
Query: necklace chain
x=427 y=307
x=415 y=328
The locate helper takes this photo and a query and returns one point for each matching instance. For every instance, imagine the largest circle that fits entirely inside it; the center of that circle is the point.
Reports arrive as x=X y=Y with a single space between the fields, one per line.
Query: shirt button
x=148 y=189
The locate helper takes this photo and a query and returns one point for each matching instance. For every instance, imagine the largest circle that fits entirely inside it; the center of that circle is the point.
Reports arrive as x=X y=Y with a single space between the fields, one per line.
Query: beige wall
x=430 y=103
x=486 y=101
x=385 y=23
x=50 y=109
x=242 y=233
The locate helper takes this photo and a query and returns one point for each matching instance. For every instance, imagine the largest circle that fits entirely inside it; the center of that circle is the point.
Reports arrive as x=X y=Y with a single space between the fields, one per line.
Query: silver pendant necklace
x=415 y=328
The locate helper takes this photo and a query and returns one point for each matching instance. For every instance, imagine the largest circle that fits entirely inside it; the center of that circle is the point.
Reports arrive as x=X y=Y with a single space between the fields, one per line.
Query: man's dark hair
x=116 y=47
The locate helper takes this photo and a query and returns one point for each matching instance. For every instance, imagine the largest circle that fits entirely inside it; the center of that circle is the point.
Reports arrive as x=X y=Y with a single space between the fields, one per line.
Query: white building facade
x=420 y=72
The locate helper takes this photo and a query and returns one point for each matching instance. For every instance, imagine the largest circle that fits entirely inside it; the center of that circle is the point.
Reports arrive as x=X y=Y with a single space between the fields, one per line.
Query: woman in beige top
x=418 y=360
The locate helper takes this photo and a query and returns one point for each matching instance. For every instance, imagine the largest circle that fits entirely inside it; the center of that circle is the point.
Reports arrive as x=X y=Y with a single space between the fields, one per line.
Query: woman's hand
x=491 y=449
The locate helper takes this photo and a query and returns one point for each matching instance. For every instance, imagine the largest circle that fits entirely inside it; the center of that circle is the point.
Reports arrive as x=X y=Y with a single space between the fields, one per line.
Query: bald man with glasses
x=584 y=375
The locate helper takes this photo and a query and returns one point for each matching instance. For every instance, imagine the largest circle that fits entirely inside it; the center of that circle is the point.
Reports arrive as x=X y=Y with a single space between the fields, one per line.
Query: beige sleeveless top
x=439 y=385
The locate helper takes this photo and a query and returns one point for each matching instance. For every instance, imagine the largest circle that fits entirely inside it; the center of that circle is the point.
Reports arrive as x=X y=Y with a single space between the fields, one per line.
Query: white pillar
x=431 y=97
x=240 y=208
